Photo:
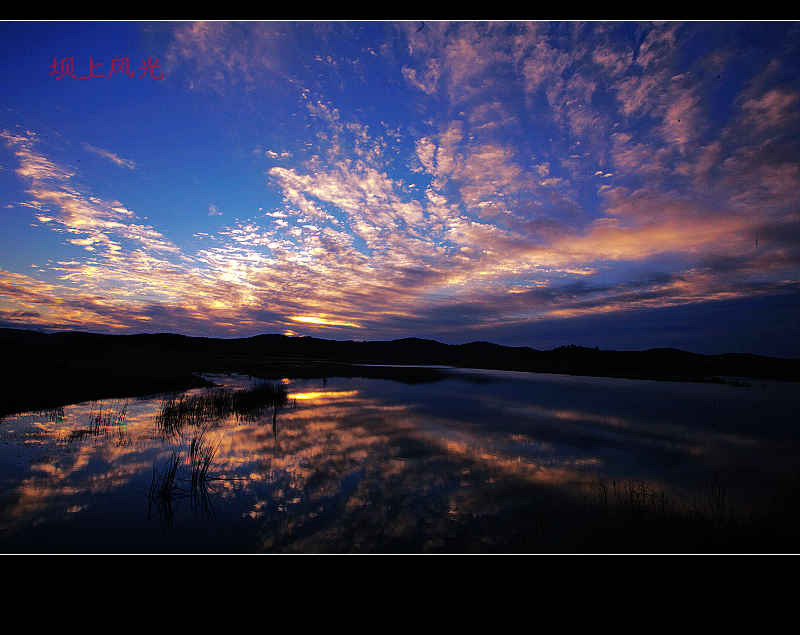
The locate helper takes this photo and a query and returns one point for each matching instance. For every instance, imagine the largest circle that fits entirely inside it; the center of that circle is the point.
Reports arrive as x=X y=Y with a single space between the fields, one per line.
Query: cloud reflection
x=363 y=462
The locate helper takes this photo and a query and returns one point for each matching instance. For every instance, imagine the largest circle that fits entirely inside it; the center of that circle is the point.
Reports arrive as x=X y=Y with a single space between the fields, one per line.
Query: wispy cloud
x=124 y=163
x=550 y=171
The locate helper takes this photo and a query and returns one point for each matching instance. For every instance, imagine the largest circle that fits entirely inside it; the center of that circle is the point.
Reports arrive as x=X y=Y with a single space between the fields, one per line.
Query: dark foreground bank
x=49 y=370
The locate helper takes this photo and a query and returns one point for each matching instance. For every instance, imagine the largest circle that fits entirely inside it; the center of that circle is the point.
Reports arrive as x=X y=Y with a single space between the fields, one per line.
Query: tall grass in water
x=54 y=415
x=113 y=417
x=192 y=479
x=163 y=484
x=631 y=514
x=189 y=478
x=179 y=411
x=163 y=489
x=176 y=412
x=201 y=454
x=252 y=404
x=102 y=421
x=639 y=499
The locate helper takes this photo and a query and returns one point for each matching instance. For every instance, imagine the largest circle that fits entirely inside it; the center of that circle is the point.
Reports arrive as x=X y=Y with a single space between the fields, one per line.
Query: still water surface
x=378 y=465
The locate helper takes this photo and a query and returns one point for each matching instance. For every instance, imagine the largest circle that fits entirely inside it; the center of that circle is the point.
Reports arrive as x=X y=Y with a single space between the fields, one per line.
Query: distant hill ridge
x=657 y=363
x=48 y=370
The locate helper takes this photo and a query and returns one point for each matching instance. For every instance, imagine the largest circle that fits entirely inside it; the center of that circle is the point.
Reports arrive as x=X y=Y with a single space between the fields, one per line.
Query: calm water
x=379 y=465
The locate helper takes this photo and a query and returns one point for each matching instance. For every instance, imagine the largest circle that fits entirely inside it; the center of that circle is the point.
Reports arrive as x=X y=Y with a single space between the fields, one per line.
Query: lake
x=480 y=461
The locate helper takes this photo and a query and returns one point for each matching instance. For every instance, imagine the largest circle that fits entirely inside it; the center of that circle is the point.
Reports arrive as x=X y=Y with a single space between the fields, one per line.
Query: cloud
x=427 y=80
x=551 y=171
x=125 y=163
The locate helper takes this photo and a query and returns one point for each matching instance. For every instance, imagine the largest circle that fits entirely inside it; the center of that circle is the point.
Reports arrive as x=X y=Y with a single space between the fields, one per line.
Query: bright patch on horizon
x=463 y=181
x=319 y=321
x=331 y=394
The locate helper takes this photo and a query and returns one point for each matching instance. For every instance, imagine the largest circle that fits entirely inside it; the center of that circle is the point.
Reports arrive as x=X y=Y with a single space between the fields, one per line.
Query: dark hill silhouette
x=44 y=370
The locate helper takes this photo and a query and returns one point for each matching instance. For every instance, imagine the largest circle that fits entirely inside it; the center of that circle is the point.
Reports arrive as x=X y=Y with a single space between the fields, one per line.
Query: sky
x=616 y=184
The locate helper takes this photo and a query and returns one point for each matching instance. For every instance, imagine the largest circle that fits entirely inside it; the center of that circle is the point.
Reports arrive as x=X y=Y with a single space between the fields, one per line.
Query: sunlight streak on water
x=364 y=463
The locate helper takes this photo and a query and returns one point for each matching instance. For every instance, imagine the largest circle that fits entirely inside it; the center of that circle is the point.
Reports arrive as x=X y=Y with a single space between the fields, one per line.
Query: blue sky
x=618 y=184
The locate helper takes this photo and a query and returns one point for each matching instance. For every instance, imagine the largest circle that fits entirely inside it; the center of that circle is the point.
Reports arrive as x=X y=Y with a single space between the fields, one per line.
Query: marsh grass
x=201 y=454
x=191 y=477
x=634 y=515
x=103 y=422
x=163 y=483
x=186 y=477
x=53 y=415
x=639 y=499
x=178 y=411
x=636 y=498
x=163 y=489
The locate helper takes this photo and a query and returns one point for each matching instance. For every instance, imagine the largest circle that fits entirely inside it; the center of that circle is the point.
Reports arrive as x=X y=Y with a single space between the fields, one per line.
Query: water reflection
x=366 y=465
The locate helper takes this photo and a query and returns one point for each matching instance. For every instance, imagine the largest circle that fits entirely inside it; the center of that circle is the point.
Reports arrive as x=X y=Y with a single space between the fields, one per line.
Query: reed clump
x=176 y=412
x=201 y=455
x=112 y=417
x=163 y=483
x=102 y=421
x=186 y=476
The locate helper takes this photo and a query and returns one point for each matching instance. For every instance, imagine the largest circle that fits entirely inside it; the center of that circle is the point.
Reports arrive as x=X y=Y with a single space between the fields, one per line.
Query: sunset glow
x=322 y=394
x=619 y=184
x=310 y=319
